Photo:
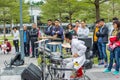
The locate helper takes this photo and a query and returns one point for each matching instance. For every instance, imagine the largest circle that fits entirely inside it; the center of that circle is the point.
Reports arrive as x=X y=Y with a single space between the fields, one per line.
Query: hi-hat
x=41 y=41
x=54 y=43
x=50 y=37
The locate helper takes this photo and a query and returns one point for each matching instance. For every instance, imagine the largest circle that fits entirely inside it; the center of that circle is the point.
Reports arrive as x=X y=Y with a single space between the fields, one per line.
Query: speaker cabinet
x=32 y=72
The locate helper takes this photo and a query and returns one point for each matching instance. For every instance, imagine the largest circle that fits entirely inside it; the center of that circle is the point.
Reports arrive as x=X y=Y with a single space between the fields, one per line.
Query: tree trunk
x=4 y=30
x=60 y=16
x=11 y=26
x=97 y=8
x=70 y=17
x=113 y=6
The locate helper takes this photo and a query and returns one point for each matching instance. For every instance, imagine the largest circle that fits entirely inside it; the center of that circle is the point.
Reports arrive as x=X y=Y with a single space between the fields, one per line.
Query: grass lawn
x=96 y=59
x=10 y=39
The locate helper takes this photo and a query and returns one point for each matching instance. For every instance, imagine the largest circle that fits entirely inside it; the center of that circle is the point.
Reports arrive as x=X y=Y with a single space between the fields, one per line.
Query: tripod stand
x=43 y=52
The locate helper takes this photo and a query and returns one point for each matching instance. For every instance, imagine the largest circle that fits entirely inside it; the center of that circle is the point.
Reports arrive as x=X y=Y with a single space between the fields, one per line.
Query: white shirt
x=16 y=35
x=83 y=32
x=78 y=47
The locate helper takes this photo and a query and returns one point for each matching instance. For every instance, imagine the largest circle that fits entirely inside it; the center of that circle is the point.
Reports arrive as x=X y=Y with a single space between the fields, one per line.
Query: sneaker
x=101 y=63
x=105 y=66
x=114 y=65
x=106 y=71
x=116 y=72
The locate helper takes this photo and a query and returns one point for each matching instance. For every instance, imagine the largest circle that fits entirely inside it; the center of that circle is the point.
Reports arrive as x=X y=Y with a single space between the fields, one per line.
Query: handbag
x=111 y=47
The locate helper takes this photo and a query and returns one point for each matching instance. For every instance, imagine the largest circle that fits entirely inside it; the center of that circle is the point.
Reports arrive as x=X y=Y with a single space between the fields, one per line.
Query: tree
x=58 y=8
x=97 y=6
x=10 y=12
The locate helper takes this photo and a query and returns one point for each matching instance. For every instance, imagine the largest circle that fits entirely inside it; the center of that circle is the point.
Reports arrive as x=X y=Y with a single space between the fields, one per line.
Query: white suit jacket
x=77 y=46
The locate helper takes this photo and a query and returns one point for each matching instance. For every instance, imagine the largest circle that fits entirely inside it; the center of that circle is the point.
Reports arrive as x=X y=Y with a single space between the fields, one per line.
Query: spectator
x=39 y=32
x=3 y=47
x=83 y=31
x=77 y=25
x=16 y=39
x=57 y=32
x=115 y=28
x=48 y=29
x=70 y=29
x=26 y=37
x=102 y=35
x=95 y=41
x=6 y=47
x=33 y=38
x=114 y=53
x=111 y=29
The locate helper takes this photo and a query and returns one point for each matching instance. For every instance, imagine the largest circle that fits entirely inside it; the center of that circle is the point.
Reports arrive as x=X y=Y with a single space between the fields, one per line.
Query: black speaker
x=17 y=61
x=32 y=72
x=88 y=64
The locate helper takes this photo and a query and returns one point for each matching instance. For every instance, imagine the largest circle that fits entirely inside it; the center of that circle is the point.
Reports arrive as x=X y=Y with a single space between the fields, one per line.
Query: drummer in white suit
x=78 y=54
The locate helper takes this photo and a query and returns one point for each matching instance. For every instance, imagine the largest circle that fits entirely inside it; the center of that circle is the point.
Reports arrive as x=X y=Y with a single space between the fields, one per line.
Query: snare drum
x=55 y=58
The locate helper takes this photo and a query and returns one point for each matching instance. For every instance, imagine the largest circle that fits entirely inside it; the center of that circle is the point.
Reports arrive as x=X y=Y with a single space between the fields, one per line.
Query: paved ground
x=96 y=73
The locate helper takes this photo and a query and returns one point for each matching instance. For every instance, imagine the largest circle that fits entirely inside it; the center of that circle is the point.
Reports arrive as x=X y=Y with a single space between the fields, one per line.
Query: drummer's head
x=57 y=23
x=68 y=37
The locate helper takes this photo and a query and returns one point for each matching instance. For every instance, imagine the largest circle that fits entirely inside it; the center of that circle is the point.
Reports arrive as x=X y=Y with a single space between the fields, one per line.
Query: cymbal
x=50 y=37
x=54 y=43
x=41 y=41
x=66 y=45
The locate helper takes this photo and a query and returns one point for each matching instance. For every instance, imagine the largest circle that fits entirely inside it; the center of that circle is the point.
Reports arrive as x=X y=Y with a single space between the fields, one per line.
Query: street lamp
x=21 y=32
x=31 y=10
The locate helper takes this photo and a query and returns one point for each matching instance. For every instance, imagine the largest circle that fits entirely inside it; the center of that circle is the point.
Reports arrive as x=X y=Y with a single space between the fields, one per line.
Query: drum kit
x=55 y=57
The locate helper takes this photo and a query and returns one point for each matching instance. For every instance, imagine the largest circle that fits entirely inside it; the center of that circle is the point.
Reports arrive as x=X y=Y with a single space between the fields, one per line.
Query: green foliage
x=12 y=12
x=61 y=9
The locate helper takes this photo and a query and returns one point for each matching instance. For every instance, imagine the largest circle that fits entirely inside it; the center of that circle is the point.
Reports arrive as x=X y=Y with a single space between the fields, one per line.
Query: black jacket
x=103 y=34
x=34 y=35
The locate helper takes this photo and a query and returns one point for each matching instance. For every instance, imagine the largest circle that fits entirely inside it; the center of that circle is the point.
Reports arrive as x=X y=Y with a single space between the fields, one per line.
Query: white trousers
x=70 y=64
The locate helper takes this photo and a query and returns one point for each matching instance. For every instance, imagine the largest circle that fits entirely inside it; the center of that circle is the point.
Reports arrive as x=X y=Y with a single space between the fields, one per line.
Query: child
x=3 y=47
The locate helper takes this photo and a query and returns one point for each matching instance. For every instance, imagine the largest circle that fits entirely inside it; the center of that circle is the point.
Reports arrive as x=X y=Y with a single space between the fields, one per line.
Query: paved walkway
x=96 y=73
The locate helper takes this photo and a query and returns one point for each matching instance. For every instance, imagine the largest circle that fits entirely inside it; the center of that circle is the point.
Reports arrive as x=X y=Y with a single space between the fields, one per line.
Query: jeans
x=54 y=48
x=34 y=49
x=102 y=50
x=114 y=54
x=26 y=49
